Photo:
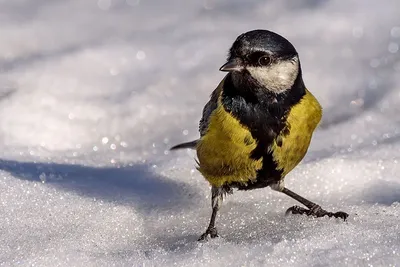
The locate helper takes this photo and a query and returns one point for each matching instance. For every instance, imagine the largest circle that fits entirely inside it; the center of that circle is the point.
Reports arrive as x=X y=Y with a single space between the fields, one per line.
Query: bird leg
x=313 y=209
x=217 y=195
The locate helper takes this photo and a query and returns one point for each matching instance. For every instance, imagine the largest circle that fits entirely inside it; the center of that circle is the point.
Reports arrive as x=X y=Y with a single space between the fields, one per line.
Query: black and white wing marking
x=209 y=108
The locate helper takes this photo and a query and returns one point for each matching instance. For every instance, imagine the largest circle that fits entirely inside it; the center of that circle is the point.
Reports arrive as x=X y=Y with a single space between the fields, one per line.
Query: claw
x=210 y=231
x=316 y=211
x=341 y=214
x=296 y=210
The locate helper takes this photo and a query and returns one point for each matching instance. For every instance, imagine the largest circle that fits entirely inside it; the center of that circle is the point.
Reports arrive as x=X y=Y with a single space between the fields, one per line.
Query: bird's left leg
x=313 y=209
x=217 y=195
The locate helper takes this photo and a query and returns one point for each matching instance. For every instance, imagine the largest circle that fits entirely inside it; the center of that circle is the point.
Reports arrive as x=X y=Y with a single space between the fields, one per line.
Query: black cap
x=261 y=40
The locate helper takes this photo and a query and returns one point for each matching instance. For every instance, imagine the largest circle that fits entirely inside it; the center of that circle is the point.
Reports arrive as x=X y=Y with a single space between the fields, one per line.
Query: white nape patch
x=277 y=77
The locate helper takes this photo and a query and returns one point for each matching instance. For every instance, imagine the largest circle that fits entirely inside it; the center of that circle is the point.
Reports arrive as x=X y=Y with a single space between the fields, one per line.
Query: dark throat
x=264 y=113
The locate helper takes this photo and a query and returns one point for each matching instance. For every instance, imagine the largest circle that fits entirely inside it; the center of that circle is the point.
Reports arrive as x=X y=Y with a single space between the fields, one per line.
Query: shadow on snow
x=136 y=185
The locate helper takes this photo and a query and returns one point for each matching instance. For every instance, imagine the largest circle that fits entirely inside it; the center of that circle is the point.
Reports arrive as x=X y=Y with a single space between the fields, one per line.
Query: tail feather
x=191 y=145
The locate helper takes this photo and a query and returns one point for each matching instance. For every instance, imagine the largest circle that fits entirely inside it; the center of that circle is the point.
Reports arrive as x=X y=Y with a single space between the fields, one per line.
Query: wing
x=205 y=119
x=209 y=108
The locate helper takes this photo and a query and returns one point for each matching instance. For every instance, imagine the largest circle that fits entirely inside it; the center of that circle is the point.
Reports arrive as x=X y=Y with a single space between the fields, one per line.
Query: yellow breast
x=224 y=152
x=302 y=120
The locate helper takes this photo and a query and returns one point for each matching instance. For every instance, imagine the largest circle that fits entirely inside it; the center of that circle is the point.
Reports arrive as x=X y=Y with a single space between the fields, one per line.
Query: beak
x=231 y=65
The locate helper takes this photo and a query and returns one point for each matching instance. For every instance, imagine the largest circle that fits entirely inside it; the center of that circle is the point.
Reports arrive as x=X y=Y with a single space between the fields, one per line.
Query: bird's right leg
x=217 y=195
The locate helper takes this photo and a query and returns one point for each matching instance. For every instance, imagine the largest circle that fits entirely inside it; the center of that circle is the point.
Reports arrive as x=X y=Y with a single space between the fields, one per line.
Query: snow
x=93 y=93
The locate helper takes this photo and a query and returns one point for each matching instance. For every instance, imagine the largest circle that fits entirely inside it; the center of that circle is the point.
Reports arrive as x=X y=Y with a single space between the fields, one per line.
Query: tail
x=191 y=145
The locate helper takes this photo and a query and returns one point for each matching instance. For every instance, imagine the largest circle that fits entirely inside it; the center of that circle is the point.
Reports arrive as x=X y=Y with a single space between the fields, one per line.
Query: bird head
x=266 y=57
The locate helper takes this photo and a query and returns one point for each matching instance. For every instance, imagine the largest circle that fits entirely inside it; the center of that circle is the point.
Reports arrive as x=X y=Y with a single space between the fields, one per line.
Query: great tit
x=258 y=123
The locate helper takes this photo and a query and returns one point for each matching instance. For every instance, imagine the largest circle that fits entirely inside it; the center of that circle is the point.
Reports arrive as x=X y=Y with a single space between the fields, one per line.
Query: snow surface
x=92 y=94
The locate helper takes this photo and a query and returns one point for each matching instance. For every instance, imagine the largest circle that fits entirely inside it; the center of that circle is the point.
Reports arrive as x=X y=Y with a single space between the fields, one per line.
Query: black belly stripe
x=264 y=114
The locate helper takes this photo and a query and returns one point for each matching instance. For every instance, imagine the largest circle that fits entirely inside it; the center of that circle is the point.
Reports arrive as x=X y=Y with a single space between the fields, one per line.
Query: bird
x=258 y=123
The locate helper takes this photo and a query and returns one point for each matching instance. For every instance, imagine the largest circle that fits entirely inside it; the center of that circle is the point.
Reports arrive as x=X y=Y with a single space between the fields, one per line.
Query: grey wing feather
x=211 y=105
x=208 y=109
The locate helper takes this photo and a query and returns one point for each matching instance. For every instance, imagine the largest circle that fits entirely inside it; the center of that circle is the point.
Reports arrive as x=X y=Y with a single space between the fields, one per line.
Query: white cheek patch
x=279 y=76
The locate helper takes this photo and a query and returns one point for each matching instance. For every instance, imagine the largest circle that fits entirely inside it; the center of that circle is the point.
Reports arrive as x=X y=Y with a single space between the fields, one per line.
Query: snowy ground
x=92 y=93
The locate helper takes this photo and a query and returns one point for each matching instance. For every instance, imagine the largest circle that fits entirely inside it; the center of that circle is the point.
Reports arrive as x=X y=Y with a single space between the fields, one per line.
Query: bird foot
x=210 y=231
x=317 y=211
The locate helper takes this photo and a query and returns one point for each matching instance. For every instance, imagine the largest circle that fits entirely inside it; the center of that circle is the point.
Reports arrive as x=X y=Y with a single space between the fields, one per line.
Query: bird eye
x=264 y=60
